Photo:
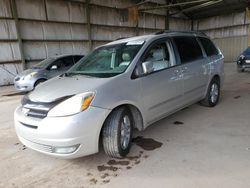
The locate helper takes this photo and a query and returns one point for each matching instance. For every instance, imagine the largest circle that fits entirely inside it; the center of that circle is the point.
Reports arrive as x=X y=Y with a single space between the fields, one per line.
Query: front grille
x=37 y=113
x=39 y=109
x=36 y=146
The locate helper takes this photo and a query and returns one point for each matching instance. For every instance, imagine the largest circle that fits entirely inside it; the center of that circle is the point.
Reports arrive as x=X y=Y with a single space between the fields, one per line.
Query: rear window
x=189 y=49
x=209 y=47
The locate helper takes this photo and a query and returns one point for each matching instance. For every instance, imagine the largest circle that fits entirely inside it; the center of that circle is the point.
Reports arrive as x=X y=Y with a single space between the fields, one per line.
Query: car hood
x=60 y=87
x=28 y=71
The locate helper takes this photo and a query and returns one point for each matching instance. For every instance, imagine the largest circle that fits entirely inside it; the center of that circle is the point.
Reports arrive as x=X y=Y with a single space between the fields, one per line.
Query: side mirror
x=54 y=67
x=147 y=67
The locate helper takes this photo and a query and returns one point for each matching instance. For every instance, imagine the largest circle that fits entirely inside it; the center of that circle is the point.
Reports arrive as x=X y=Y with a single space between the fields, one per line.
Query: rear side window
x=209 y=47
x=68 y=61
x=189 y=49
x=77 y=58
x=58 y=63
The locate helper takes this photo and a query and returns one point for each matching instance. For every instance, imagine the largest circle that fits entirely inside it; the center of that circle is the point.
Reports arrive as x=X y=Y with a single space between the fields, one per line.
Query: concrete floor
x=210 y=149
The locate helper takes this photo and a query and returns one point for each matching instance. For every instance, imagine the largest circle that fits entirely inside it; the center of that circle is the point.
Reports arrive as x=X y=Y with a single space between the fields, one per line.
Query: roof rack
x=178 y=31
x=121 y=38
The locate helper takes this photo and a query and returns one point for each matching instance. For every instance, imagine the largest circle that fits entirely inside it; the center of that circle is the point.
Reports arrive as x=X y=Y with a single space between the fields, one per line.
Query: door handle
x=175 y=75
x=184 y=69
x=176 y=71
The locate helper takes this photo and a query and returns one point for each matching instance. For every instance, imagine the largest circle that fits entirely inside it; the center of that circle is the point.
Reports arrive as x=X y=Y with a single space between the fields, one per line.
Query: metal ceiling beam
x=174 y=5
x=197 y=7
x=217 y=11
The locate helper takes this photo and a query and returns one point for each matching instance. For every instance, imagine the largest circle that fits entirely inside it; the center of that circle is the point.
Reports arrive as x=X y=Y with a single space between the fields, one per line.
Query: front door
x=162 y=88
x=60 y=66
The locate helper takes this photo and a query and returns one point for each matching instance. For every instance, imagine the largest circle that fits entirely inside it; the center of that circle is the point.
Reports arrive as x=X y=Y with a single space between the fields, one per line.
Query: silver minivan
x=121 y=86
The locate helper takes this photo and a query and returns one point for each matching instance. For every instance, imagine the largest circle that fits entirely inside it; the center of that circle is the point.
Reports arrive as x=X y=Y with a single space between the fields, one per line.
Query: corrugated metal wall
x=51 y=27
x=9 y=49
x=229 y=32
x=231 y=47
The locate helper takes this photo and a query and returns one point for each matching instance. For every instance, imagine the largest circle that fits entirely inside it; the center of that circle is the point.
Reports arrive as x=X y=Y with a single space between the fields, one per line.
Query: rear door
x=193 y=68
x=161 y=89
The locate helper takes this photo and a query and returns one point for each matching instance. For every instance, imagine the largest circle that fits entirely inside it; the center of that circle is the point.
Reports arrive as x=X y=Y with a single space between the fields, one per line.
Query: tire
x=39 y=82
x=213 y=94
x=240 y=69
x=114 y=130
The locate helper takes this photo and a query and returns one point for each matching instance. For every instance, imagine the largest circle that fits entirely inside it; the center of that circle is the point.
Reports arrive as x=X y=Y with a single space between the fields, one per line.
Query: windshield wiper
x=70 y=74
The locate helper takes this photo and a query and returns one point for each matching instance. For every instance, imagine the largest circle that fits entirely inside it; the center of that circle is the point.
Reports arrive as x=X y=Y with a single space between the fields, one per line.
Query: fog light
x=65 y=150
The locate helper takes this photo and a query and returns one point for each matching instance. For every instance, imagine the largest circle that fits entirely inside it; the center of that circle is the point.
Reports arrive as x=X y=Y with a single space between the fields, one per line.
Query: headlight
x=30 y=75
x=73 y=105
x=242 y=57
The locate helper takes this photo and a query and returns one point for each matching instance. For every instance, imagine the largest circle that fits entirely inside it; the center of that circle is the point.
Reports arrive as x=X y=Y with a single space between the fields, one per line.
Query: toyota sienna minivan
x=121 y=86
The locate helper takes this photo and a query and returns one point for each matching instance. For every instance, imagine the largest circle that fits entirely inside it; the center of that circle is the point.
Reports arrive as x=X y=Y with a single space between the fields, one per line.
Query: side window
x=208 y=46
x=77 y=58
x=68 y=62
x=188 y=48
x=159 y=55
x=56 y=65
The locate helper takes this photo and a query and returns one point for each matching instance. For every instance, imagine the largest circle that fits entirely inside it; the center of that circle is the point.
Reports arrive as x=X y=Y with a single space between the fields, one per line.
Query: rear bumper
x=46 y=135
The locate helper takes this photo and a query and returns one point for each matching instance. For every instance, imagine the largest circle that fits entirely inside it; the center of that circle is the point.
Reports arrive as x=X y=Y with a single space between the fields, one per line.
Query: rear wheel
x=213 y=94
x=117 y=133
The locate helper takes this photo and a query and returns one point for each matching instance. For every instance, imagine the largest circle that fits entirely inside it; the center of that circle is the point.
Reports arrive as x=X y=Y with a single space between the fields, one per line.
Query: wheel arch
x=135 y=112
x=216 y=77
x=39 y=79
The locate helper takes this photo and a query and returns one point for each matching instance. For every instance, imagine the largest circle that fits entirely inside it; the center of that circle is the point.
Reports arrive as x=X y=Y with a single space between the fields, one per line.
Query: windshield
x=247 y=51
x=44 y=63
x=107 y=61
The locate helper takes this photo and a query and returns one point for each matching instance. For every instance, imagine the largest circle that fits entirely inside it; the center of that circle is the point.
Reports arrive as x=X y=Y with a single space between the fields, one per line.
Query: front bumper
x=243 y=64
x=44 y=135
x=24 y=85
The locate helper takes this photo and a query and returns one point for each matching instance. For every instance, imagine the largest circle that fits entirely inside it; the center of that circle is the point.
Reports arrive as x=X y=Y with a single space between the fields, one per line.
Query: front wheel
x=213 y=94
x=117 y=133
x=39 y=82
x=239 y=69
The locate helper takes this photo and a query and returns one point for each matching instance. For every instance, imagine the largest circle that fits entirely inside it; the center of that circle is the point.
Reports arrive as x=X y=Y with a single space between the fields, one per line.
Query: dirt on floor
x=196 y=147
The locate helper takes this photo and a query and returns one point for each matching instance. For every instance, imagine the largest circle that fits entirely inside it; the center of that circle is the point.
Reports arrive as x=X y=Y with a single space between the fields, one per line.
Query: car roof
x=164 y=33
x=132 y=39
x=65 y=55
